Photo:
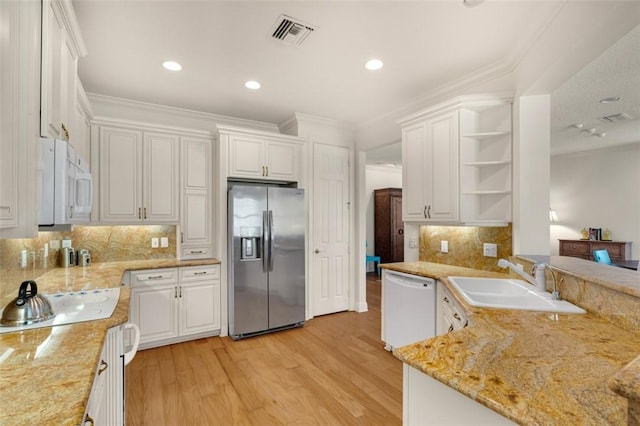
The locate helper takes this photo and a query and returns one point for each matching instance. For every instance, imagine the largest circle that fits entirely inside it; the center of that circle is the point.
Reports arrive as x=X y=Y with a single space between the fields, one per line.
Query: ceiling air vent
x=291 y=31
x=615 y=118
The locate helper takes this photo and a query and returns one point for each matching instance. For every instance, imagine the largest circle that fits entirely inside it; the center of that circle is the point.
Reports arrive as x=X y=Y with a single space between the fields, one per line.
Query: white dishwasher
x=409 y=309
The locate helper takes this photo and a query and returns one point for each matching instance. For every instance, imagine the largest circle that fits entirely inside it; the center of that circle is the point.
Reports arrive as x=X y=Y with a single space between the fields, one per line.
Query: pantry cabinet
x=430 y=169
x=196 y=219
x=262 y=155
x=457 y=163
x=138 y=176
x=62 y=45
x=175 y=304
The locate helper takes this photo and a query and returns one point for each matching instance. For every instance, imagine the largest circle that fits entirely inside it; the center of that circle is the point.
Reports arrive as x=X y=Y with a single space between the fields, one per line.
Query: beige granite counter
x=534 y=368
x=46 y=373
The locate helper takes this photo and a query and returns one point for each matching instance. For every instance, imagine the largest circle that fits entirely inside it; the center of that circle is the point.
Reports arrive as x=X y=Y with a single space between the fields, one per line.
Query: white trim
x=71 y=23
x=210 y=119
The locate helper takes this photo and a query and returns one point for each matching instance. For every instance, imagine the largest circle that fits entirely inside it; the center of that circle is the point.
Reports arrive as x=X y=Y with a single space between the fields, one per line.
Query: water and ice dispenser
x=250 y=243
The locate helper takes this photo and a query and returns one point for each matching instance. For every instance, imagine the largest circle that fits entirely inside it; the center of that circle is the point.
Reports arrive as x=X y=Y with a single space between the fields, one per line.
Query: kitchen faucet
x=540 y=279
x=538 y=282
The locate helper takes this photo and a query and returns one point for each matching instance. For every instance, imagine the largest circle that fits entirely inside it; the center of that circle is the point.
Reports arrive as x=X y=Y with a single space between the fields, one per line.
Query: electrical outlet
x=413 y=242
x=154 y=243
x=444 y=246
x=490 y=250
x=66 y=243
x=164 y=242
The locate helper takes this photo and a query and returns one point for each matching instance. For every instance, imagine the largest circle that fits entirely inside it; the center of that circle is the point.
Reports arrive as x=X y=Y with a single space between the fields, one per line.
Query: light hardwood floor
x=332 y=371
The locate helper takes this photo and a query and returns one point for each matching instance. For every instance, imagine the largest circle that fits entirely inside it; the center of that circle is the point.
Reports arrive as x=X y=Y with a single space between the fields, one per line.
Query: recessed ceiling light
x=600 y=135
x=172 y=65
x=253 y=85
x=578 y=125
x=609 y=99
x=590 y=131
x=374 y=64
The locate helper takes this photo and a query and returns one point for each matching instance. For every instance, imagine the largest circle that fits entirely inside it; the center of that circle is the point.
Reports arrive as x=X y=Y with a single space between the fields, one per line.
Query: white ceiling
x=614 y=73
x=426 y=46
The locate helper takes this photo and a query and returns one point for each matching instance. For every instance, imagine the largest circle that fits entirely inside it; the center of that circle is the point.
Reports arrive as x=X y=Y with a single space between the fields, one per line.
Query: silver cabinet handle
x=175 y=292
x=446 y=299
x=456 y=316
x=429 y=212
x=200 y=273
x=180 y=291
x=424 y=212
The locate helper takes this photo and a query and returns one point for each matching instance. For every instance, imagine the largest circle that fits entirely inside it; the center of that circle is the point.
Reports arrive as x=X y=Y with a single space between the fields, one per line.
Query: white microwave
x=65 y=187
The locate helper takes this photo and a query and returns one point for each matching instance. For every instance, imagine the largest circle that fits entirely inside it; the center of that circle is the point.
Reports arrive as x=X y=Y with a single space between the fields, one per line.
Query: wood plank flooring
x=332 y=371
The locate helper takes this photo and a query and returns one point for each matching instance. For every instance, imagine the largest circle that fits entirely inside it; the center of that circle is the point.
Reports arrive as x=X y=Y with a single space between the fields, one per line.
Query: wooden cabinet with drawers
x=618 y=250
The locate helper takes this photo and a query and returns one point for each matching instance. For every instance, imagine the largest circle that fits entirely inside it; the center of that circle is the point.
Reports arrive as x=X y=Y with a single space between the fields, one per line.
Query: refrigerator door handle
x=270 y=217
x=266 y=231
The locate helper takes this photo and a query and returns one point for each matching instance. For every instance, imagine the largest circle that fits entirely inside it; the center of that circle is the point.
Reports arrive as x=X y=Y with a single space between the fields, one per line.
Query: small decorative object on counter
x=584 y=234
x=595 y=234
x=606 y=234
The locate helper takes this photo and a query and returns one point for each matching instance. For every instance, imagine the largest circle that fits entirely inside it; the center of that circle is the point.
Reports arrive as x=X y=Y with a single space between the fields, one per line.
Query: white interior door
x=330 y=229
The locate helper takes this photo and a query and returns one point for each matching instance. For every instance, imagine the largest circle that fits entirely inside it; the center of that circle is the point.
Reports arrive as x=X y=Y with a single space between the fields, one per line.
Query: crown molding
x=213 y=119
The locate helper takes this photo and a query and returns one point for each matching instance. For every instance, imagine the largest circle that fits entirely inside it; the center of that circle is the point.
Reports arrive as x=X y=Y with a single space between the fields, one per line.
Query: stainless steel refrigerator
x=266 y=259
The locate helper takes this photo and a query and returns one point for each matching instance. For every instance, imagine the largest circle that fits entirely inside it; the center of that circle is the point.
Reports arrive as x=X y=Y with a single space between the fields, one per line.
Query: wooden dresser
x=618 y=250
x=389 y=227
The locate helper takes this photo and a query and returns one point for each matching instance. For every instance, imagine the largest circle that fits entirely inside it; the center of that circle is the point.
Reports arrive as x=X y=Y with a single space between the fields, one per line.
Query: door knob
x=400 y=231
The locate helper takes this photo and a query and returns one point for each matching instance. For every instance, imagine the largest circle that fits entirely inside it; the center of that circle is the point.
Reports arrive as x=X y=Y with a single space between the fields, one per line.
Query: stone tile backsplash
x=465 y=245
x=105 y=244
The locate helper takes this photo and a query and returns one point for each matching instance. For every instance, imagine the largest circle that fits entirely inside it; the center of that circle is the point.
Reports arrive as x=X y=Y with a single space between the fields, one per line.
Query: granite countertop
x=534 y=368
x=46 y=373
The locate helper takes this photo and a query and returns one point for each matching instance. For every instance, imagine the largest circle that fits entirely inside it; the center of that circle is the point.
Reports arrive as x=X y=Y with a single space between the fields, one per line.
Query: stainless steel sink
x=506 y=293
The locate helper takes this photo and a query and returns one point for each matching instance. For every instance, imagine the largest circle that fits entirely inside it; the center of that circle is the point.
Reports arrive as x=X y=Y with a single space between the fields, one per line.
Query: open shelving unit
x=485 y=162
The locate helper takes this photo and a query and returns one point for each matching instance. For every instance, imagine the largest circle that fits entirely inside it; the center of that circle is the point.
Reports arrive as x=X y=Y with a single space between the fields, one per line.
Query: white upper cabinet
x=430 y=169
x=262 y=155
x=138 y=176
x=19 y=115
x=196 y=220
x=457 y=163
x=62 y=45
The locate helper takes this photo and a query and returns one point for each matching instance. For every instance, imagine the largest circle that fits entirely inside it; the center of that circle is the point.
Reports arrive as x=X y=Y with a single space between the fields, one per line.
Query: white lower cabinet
x=106 y=401
x=426 y=401
x=450 y=315
x=175 y=304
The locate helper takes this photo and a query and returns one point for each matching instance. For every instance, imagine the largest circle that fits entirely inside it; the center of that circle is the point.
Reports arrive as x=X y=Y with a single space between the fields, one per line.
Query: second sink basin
x=509 y=293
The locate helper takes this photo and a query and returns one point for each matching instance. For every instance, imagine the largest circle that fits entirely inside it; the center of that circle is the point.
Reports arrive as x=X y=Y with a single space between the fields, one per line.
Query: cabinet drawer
x=203 y=252
x=573 y=248
x=154 y=276
x=615 y=250
x=199 y=273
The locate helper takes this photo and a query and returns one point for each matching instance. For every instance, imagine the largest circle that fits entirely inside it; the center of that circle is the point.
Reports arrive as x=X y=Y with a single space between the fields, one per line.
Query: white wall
x=531 y=174
x=597 y=189
x=377 y=177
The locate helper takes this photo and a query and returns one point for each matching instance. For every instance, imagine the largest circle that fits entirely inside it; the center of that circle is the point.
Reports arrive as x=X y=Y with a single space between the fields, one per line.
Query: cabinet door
x=160 y=167
x=53 y=39
x=442 y=168
x=120 y=175
x=413 y=172
x=281 y=161
x=246 y=157
x=154 y=310
x=196 y=217
x=199 y=307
